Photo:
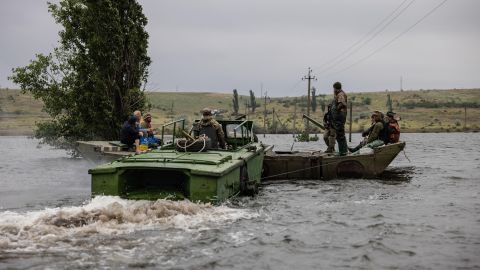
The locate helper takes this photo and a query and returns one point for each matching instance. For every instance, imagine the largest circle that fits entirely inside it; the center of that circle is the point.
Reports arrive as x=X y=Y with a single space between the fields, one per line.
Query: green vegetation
x=19 y=112
x=91 y=82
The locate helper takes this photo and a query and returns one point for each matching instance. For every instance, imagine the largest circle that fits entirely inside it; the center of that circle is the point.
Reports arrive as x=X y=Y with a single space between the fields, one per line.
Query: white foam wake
x=108 y=216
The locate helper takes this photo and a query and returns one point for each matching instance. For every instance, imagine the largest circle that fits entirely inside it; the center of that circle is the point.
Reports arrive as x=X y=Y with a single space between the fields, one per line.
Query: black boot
x=342 y=147
x=354 y=149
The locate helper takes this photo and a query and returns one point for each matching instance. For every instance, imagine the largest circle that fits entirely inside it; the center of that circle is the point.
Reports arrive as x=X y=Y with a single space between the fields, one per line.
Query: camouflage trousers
x=329 y=137
x=339 y=119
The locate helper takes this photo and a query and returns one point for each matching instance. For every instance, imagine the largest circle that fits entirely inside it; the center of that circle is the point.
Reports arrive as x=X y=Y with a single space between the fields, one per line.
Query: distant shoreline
x=14 y=133
x=421 y=111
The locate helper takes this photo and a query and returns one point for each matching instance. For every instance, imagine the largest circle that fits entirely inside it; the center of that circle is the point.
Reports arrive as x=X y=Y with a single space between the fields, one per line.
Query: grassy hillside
x=421 y=111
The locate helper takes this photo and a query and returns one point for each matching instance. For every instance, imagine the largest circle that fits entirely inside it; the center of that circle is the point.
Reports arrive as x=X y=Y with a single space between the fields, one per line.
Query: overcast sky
x=219 y=45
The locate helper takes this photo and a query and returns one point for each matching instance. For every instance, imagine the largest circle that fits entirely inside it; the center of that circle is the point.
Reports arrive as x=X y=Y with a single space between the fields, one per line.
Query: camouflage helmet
x=337 y=86
x=206 y=111
x=377 y=113
x=391 y=114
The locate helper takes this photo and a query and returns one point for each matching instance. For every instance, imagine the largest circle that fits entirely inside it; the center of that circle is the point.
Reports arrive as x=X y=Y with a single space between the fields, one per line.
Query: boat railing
x=174 y=123
x=244 y=136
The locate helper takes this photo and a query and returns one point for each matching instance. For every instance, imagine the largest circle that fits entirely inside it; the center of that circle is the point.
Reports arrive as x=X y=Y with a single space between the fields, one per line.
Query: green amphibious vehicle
x=176 y=171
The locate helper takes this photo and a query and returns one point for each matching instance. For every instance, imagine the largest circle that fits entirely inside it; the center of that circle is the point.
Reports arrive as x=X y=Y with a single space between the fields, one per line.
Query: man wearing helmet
x=339 y=115
x=210 y=128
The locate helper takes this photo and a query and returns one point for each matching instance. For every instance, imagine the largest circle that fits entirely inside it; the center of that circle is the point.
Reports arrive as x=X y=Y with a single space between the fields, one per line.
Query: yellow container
x=143 y=147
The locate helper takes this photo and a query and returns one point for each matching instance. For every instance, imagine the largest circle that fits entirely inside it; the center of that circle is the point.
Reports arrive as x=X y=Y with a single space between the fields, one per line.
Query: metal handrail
x=174 y=123
x=243 y=137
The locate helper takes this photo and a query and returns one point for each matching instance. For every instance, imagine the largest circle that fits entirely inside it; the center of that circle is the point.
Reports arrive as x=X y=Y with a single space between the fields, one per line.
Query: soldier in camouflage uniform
x=375 y=133
x=210 y=128
x=330 y=134
x=339 y=114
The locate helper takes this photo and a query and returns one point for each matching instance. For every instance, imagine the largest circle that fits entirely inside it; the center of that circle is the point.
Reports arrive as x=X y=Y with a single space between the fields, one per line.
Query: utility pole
x=261 y=89
x=274 y=124
x=309 y=78
x=401 y=83
x=265 y=115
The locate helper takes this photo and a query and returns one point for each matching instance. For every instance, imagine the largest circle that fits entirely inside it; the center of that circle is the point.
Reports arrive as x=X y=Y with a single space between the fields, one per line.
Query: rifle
x=314 y=122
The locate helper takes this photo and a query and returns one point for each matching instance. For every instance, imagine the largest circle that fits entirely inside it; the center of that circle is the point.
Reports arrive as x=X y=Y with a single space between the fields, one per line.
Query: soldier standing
x=339 y=114
x=330 y=134
x=210 y=128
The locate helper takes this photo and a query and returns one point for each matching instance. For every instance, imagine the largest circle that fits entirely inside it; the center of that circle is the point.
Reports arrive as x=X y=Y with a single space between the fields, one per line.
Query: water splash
x=108 y=216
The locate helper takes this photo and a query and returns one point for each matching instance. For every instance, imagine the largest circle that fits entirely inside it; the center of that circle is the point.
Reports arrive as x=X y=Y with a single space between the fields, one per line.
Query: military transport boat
x=175 y=172
x=213 y=175
x=366 y=163
x=285 y=165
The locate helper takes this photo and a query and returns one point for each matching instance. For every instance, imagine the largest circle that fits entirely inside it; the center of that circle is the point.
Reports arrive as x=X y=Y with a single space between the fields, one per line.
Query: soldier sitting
x=393 y=127
x=374 y=136
x=211 y=129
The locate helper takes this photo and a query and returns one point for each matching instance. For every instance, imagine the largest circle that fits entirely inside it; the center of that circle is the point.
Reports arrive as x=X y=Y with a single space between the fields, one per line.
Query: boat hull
x=207 y=177
x=319 y=165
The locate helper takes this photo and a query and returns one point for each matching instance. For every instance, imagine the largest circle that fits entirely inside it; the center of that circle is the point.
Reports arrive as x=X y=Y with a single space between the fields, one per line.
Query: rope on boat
x=406 y=155
x=187 y=146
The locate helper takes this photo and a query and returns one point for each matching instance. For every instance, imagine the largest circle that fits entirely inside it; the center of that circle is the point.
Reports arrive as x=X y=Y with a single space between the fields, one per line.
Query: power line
x=364 y=37
x=368 y=40
x=395 y=38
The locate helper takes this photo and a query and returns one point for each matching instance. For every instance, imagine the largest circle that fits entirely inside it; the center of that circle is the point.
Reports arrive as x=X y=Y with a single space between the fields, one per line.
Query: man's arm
x=342 y=101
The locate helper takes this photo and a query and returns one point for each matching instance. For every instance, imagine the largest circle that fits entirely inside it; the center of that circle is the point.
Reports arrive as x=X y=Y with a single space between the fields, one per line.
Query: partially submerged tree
x=253 y=103
x=235 y=102
x=92 y=81
x=389 y=103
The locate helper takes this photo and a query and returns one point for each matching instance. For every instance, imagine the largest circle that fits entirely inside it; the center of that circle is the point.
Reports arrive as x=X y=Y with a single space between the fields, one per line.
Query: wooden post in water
x=350 y=135
x=295 y=118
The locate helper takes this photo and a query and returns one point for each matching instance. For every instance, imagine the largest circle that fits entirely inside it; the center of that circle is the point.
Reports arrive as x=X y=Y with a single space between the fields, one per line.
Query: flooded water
x=421 y=214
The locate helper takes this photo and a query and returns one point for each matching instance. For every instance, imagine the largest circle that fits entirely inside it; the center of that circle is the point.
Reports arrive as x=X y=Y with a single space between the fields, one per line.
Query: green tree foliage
x=235 y=101
x=253 y=103
x=367 y=100
x=314 y=99
x=92 y=81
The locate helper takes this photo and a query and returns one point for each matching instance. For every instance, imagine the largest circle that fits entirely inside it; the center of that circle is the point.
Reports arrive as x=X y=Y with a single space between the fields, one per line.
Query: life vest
x=393 y=132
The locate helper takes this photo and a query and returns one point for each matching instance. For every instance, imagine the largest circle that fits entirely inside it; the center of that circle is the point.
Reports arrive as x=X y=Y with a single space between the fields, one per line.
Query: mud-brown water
x=423 y=214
